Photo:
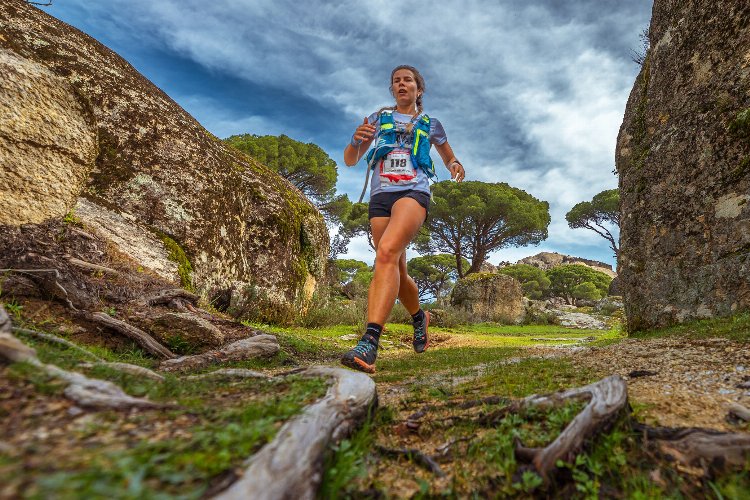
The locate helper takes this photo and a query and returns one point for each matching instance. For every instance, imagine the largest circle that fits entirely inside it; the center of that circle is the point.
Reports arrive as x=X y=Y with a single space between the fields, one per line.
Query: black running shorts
x=381 y=203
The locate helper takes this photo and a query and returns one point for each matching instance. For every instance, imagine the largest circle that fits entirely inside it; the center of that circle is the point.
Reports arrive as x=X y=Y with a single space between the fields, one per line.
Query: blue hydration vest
x=420 y=151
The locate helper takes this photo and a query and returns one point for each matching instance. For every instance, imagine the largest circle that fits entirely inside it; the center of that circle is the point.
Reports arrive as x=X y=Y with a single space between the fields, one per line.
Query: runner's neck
x=411 y=110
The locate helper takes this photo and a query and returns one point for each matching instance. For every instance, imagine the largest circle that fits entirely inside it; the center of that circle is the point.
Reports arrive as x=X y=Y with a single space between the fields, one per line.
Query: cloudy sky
x=531 y=92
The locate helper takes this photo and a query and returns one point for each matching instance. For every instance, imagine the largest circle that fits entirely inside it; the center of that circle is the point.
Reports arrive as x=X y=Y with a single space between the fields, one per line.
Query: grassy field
x=468 y=374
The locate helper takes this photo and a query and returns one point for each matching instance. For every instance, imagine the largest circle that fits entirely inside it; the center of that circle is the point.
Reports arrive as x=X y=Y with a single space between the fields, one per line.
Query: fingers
x=364 y=131
x=457 y=172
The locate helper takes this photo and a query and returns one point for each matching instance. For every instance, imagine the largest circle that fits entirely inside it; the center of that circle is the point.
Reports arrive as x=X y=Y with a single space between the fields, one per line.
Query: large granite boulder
x=47 y=141
x=490 y=297
x=236 y=229
x=683 y=156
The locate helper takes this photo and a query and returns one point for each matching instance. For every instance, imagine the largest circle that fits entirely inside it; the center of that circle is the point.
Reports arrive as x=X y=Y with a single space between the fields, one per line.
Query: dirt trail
x=694 y=380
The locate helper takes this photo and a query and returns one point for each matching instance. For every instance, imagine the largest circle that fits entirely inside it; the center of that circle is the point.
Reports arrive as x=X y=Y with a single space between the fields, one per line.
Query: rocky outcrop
x=683 y=156
x=490 y=297
x=47 y=142
x=238 y=229
x=186 y=332
x=548 y=260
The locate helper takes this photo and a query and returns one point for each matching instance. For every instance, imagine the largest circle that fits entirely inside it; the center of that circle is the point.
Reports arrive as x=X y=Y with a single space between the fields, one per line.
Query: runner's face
x=404 y=87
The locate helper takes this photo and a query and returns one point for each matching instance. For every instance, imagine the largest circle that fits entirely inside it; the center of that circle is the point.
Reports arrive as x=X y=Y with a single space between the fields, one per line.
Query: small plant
x=70 y=218
x=13 y=308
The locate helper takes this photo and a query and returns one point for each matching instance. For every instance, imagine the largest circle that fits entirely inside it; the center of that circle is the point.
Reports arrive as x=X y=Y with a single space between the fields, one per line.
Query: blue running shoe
x=421 y=340
x=362 y=357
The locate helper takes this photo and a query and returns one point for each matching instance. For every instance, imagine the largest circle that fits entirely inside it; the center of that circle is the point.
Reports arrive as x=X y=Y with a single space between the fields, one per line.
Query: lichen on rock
x=682 y=156
x=239 y=225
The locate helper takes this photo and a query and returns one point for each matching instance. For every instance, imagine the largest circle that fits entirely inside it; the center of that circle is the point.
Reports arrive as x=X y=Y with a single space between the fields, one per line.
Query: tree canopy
x=306 y=166
x=434 y=274
x=575 y=281
x=534 y=280
x=471 y=219
x=597 y=214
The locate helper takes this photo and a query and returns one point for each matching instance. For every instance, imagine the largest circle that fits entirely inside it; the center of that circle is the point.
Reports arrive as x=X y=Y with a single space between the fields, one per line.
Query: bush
x=534 y=281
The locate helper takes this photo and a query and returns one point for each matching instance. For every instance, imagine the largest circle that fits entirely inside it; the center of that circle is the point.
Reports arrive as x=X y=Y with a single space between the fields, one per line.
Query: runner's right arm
x=359 y=144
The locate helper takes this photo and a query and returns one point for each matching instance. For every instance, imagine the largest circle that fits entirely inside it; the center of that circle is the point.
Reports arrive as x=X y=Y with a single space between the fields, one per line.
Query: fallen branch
x=417 y=456
x=251 y=347
x=142 y=338
x=290 y=465
x=607 y=399
x=56 y=340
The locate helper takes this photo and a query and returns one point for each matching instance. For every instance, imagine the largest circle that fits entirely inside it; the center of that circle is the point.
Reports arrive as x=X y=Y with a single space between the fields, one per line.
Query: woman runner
x=399 y=200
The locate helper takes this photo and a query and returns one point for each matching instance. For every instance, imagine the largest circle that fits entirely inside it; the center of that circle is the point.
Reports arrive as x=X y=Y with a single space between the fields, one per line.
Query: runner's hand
x=457 y=171
x=364 y=132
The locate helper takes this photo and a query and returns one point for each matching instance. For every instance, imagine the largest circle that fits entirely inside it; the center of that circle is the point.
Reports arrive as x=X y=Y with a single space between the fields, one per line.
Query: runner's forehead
x=403 y=74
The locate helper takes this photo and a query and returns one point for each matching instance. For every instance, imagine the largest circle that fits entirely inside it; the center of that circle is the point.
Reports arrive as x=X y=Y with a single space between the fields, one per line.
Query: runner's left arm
x=451 y=163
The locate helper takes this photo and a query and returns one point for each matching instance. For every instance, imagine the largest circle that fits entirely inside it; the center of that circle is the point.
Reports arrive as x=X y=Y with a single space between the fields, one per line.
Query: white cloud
x=530 y=94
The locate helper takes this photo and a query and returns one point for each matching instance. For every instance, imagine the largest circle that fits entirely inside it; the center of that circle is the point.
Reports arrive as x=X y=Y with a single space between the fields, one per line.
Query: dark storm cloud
x=531 y=93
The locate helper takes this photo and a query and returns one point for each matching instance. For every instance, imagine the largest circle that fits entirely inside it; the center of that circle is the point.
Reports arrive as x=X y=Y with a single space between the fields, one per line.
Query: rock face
x=548 y=260
x=47 y=142
x=683 y=155
x=245 y=231
x=490 y=297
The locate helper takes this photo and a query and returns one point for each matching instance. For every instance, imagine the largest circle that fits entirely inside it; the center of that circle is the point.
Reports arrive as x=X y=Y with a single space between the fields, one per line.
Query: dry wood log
x=290 y=466
x=164 y=297
x=92 y=267
x=251 y=347
x=56 y=340
x=607 y=399
x=142 y=338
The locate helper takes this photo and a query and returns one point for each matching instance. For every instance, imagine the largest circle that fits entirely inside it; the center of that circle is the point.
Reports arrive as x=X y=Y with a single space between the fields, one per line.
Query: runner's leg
x=408 y=293
x=406 y=218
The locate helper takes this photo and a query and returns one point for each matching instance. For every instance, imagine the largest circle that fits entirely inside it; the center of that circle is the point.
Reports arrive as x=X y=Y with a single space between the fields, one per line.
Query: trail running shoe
x=362 y=357
x=421 y=341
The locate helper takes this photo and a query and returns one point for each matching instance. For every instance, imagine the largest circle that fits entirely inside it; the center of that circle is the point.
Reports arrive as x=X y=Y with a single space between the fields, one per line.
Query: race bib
x=397 y=167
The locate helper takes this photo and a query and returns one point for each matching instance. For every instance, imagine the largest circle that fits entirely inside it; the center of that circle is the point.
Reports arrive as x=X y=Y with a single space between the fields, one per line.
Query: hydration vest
x=420 y=150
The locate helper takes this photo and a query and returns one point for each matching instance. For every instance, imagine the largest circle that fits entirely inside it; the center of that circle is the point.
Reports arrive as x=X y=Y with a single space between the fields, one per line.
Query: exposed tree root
x=92 y=267
x=81 y=389
x=142 y=338
x=48 y=337
x=230 y=372
x=47 y=281
x=165 y=297
x=608 y=398
x=129 y=369
x=739 y=411
x=251 y=347
x=419 y=458
x=705 y=451
x=291 y=465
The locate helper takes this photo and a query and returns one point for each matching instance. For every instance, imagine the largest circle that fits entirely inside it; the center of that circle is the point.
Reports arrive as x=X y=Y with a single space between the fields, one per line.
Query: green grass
x=735 y=327
x=227 y=421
